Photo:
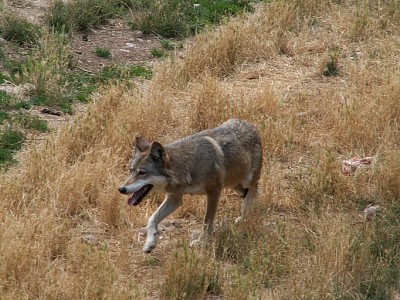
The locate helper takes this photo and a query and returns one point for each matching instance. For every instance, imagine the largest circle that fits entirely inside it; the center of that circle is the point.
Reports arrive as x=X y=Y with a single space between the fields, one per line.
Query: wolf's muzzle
x=122 y=190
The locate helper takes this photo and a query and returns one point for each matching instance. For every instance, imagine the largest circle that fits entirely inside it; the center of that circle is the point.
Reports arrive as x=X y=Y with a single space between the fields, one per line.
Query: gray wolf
x=203 y=163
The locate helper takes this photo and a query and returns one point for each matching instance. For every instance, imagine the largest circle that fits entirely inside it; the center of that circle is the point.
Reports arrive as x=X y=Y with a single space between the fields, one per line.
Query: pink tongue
x=132 y=200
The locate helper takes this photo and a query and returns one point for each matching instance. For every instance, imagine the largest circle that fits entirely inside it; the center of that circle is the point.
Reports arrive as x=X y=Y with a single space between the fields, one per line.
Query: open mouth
x=138 y=196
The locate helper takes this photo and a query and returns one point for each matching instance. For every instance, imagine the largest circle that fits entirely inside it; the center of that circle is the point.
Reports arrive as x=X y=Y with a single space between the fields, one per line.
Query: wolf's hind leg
x=212 y=204
x=169 y=205
x=248 y=203
x=241 y=190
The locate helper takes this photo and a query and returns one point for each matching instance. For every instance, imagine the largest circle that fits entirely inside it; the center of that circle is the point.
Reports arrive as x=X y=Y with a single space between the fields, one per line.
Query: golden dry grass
x=66 y=233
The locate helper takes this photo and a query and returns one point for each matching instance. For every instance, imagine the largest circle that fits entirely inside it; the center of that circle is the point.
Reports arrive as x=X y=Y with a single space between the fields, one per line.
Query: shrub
x=59 y=17
x=81 y=15
x=31 y=122
x=157 y=52
x=167 y=45
x=12 y=139
x=175 y=18
x=20 y=31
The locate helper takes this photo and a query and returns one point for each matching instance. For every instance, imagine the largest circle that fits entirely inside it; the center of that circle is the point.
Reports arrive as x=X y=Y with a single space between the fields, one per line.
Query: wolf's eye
x=141 y=173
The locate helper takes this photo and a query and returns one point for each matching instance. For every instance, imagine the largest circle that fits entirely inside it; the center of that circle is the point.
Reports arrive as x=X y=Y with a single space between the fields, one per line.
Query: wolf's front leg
x=169 y=205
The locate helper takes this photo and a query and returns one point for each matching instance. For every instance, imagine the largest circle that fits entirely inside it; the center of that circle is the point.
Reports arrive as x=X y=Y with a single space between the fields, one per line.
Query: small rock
x=140 y=40
x=51 y=111
x=130 y=45
x=351 y=165
x=370 y=211
x=138 y=34
x=89 y=239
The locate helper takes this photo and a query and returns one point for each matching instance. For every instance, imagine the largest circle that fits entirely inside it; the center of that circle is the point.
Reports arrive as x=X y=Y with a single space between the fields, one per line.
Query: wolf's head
x=148 y=170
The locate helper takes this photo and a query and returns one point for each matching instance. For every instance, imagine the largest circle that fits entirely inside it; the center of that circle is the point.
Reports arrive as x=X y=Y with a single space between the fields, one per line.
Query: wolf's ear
x=157 y=152
x=141 y=144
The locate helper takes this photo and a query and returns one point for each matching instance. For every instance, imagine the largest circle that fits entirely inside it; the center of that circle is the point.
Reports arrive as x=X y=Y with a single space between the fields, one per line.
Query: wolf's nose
x=122 y=190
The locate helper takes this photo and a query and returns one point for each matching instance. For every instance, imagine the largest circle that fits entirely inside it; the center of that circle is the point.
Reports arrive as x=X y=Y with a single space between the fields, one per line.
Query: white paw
x=151 y=242
x=148 y=247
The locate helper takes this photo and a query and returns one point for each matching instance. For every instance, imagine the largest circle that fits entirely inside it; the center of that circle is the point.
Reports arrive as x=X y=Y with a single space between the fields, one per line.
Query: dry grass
x=66 y=233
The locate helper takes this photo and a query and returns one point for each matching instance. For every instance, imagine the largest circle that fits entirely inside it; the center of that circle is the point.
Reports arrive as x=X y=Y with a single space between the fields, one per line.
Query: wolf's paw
x=151 y=242
x=148 y=248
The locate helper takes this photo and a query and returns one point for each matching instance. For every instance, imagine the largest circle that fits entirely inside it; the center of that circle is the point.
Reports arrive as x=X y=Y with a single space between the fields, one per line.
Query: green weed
x=175 y=18
x=102 y=52
x=59 y=17
x=331 y=65
x=10 y=141
x=167 y=45
x=3 y=116
x=140 y=71
x=20 y=31
x=158 y=53
x=81 y=15
x=28 y=121
x=5 y=100
x=3 y=78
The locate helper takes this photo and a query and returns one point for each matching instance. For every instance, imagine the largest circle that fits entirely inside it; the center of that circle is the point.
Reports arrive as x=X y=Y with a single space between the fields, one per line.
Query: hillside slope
x=322 y=82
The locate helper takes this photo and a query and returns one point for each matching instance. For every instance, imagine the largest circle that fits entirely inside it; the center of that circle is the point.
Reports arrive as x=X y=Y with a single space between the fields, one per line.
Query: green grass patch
x=20 y=31
x=81 y=15
x=84 y=84
x=5 y=100
x=176 y=18
x=10 y=141
x=168 y=45
x=3 y=116
x=28 y=121
x=8 y=102
x=102 y=52
x=3 y=78
x=140 y=71
x=118 y=73
x=59 y=17
x=158 y=53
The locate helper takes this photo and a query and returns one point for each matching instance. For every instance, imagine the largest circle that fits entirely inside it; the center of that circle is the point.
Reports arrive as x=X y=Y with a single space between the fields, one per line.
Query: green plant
x=81 y=15
x=140 y=71
x=59 y=17
x=118 y=73
x=88 y=14
x=166 y=44
x=5 y=157
x=20 y=31
x=331 y=65
x=168 y=18
x=28 y=121
x=102 y=52
x=158 y=53
x=175 y=18
x=5 y=100
x=10 y=141
x=3 y=78
x=3 y=116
